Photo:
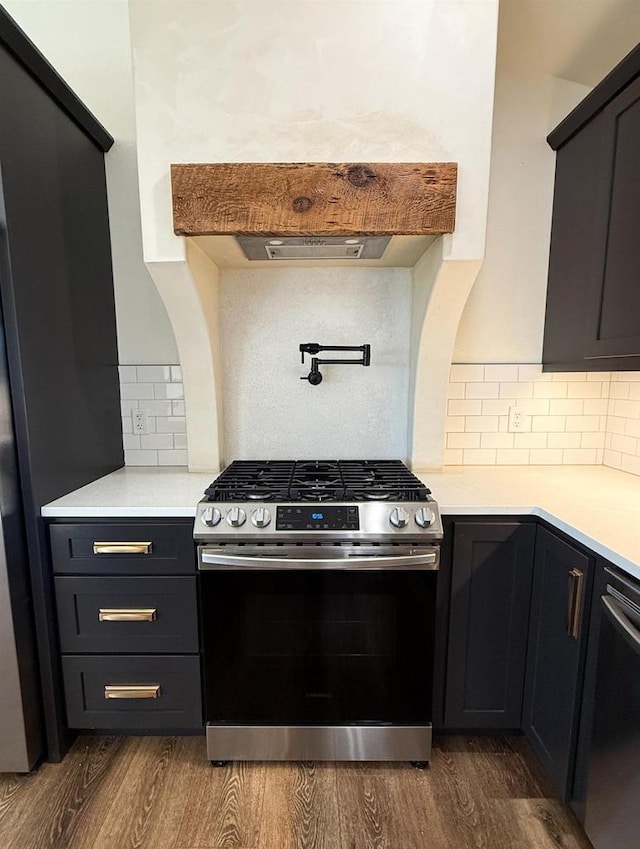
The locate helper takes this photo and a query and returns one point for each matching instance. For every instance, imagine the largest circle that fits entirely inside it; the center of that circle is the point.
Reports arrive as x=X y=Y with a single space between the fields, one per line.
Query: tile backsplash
x=158 y=437
x=567 y=418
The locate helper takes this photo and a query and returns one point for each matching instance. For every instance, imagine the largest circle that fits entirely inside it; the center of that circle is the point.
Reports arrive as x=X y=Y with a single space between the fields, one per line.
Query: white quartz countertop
x=597 y=506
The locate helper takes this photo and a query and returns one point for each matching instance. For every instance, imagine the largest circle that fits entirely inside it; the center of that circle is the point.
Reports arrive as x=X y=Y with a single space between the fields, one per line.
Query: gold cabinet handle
x=132 y=691
x=574 y=608
x=127 y=614
x=122 y=547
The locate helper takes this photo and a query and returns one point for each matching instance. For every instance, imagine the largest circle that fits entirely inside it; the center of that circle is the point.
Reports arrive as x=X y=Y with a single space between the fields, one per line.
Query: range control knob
x=211 y=516
x=424 y=517
x=399 y=517
x=236 y=517
x=261 y=517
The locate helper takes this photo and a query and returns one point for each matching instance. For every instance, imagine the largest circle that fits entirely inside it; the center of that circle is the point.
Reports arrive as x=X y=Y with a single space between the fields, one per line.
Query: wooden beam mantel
x=321 y=198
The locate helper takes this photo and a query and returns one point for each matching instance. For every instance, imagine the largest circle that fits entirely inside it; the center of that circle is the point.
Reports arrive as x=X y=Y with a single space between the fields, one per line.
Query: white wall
x=269 y=413
x=87 y=42
x=503 y=320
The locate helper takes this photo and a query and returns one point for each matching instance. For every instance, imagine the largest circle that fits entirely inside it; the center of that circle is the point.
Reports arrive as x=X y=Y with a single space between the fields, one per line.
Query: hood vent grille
x=313 y=247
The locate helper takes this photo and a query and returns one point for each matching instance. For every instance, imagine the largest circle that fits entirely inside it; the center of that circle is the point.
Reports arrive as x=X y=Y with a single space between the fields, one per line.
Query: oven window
x=318 y=647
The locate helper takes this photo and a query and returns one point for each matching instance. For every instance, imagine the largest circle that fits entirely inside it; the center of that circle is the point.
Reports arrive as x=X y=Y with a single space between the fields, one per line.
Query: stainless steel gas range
x=317 y=601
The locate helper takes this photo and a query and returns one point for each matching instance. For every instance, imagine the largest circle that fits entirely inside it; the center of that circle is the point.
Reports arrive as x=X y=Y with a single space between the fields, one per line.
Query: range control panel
x=299 y=517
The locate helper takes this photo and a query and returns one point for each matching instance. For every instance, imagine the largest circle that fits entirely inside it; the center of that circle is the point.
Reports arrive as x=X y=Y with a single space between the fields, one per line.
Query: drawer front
x=152 y=548
x=135 y=692
x=128 y=615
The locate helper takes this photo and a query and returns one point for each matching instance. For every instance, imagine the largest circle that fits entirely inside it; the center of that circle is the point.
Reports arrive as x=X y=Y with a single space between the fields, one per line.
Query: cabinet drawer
x=115 y=549
x=134 y=615
x=135 y=692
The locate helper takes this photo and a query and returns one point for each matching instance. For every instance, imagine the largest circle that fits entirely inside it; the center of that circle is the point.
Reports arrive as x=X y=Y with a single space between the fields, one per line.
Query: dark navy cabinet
x=560 y=605
x=491 y=574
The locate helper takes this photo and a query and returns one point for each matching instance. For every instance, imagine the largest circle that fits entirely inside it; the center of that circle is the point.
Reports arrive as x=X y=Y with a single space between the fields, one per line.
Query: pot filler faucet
x=314 y=377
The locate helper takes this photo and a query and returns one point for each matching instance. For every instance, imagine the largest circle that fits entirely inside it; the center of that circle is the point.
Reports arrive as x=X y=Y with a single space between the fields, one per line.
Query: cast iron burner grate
x=317 y=480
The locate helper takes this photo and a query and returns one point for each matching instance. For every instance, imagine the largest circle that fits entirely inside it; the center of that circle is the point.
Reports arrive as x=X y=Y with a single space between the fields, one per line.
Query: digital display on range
x=300 y=518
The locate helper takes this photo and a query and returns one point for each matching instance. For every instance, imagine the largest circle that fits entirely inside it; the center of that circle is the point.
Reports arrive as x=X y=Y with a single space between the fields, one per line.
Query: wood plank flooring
x=161 y=793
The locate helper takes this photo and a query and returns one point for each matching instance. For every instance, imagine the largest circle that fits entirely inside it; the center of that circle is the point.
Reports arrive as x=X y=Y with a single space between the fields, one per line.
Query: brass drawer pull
x=122 y=547
x=132 y=691
x=127 y=614
x=574 y=611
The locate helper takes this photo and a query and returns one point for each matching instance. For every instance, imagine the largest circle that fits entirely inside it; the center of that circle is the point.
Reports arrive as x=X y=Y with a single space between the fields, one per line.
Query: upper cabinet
x=593 y=297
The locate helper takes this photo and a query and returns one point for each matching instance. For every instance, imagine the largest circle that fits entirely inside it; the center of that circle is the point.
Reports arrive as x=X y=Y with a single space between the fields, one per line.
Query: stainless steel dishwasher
x=613 y=796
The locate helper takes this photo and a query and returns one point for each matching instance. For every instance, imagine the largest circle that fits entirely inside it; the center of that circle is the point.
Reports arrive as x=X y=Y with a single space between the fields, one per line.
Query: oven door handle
x=427 y=560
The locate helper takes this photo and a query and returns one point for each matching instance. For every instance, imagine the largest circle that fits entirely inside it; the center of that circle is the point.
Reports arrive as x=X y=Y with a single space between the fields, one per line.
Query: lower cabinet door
x=559 y=607
x=489 y=619
x=134 y=692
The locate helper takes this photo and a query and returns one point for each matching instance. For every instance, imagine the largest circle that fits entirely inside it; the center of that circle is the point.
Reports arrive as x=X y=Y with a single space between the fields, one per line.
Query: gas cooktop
x=301 y=500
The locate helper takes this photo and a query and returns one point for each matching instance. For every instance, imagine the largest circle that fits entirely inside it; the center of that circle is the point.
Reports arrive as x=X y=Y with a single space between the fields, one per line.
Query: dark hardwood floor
x=161 y=793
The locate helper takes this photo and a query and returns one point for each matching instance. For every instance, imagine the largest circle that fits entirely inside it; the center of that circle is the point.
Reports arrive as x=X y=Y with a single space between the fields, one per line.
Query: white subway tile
x=127 y=424
x=127 y=406
x=604 y=376
x=475 y=424
x=547 y=423
x=179 y=440
x=592 y=440
x=584 y=423
x=177 y=408
x=607 y=440
x=151 y=424
x=176 y=373
x=481 y=390
x=503 y=424
x=579 y=456
x=555 y=389
x=154 y=374
x=158 y=440
x=633 y=376
x=630 y=464
x=569 y=375
x=531 y=440
x=532 y=371
x=467 y=373
x=632 y=427
x=452 y=457
x=479 y=457
x=456 y=390
x=171 y=424
x=156 y=408
x=533 y=406
x=584 y=389
x=599 y=456
x=497 y=408
x=628 y=409
x=175 y=457
x=496 y=440
x=616 y=424
x=130 y=441
x=513 y=456
x=454 y=424
x=612 y=458
x=138 y=391
x=606 y=389
x=566 y=407
x=596 y=406
x=619 y=390
x=127 y=374
x=463 y=440
x=141 y=458
x=517 y=390
x=545 y=456
x=168 y=390
x=501 y=373
x=624 y=444
x=564 y=440
x=464 y=408
x=634 y=391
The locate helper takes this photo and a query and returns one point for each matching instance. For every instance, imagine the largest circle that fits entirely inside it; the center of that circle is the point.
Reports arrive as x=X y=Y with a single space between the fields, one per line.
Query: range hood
x=261 y=214
x=290 y=248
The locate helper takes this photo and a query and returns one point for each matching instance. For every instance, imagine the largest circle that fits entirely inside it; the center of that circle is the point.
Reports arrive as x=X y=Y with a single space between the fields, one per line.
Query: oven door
x=318 y=635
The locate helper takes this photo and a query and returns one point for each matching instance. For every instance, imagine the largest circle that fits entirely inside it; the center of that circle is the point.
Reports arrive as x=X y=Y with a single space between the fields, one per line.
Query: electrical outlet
x=140 y=424
x=518 y=420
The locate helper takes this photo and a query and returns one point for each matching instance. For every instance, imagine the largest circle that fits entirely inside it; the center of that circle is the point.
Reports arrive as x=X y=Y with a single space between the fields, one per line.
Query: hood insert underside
x=312 y=247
